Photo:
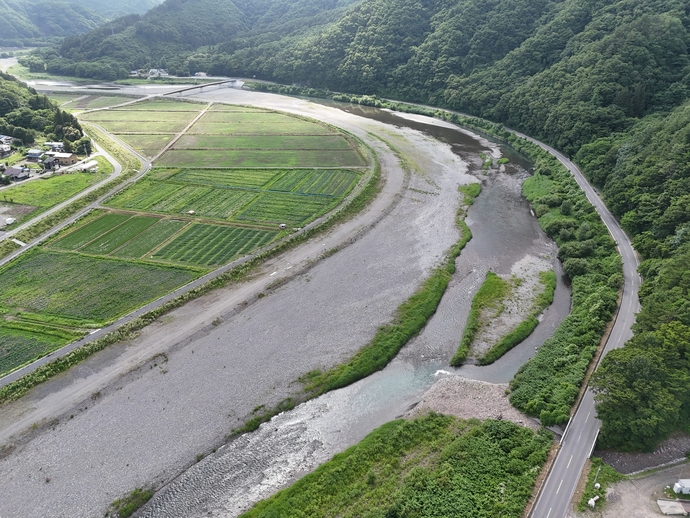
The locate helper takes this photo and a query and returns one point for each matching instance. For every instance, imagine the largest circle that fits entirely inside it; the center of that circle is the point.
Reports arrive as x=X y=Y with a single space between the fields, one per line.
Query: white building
x=682 y=486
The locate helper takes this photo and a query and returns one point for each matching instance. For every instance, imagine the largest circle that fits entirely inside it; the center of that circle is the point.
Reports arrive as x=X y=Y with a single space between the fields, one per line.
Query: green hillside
x=605 y=81
x=30 y=21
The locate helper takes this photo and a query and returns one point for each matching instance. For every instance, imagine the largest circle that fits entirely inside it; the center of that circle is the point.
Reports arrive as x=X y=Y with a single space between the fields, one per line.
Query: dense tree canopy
x=24 y=114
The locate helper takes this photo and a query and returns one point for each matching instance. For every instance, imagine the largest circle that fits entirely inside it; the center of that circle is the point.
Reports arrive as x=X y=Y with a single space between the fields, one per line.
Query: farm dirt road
x=140 y=412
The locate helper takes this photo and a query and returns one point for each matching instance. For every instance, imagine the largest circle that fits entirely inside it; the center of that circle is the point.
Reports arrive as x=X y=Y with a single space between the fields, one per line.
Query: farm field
x=213 y=245
x=45 y=193
x=262 y=158
x=272 y=142
x=62 y=98
x=147 y=145
x=88 y=289
x=221 y=193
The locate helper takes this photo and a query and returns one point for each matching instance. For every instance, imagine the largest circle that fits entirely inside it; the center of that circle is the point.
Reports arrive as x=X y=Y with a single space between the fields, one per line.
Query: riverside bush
x=431 y=466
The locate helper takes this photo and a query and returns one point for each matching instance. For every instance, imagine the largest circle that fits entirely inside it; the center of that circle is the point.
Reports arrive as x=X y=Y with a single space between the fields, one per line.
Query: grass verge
x=127 y=505
x=604 y=475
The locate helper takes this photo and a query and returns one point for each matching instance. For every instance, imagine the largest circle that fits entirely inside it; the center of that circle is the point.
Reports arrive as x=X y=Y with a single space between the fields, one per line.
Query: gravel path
x=128 y=418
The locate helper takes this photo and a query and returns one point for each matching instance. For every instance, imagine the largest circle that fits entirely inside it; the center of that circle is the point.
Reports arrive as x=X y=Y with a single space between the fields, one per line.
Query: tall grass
x=525 y=328
x=490 y=295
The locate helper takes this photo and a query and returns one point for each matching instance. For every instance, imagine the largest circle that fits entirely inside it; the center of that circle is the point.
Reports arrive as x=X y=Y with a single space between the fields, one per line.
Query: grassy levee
x=434 y=465
x=411 y=317
x=525 y=328
x=489 y=296
x=18 y=388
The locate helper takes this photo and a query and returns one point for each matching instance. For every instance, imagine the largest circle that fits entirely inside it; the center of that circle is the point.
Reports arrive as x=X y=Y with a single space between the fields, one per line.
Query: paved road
x=581 y=434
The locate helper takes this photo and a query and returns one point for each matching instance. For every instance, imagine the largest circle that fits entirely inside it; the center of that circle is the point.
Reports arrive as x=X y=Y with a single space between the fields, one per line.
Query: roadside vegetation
x=602 y=474
x=430 y=466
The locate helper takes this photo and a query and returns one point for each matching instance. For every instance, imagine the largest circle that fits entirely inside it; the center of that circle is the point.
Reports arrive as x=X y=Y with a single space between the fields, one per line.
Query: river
x=295 y=442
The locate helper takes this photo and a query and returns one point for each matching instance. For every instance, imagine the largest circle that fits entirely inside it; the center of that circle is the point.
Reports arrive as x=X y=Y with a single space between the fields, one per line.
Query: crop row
x=261 y=158
x=117 y=237
x=88 y=233
x=291 y=209
x=84 y=287
x=296 y=127
x=138 y=116
x=275 y=142
x=251 y=118
x=149 y=239
x=227 y=177
x=210 y=245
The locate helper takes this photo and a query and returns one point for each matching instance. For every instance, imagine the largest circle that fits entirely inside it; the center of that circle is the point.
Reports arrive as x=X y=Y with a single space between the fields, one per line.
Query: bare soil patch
x=672 y=449
x=467 y=398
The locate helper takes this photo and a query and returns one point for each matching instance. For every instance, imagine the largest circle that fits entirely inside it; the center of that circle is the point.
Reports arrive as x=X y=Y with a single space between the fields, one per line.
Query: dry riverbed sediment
x=142 y=411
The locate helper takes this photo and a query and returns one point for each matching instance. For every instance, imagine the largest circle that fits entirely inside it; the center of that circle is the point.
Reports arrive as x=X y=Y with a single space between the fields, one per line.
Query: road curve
x=580 y=436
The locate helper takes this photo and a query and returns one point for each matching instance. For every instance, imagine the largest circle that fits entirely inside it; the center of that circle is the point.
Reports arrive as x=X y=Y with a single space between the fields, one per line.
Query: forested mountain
x=606 y=81
x=29 y=21
x=25 y=114
x=176 y=35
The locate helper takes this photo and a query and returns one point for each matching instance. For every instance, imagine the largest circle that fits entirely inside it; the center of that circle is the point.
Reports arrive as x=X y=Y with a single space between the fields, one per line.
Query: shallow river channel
x=255 y=465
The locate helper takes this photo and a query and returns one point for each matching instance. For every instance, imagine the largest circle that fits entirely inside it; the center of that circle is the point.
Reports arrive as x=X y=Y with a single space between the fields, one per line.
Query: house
x=4 y=139
x=66 y=158
x=158 y=72
x=51 y=163
x=201 y=74
x=682 y=486
x=5 y=150
x=17 y=173
x=55 y=146
x=35 y=154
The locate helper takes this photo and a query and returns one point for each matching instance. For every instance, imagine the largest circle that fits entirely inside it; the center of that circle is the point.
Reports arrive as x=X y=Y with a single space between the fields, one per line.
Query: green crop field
x=139 y=116
x=189 y=197
x=118 y=236
x=45 y=193
x=93 y=102
x=150 y=238
x=18 y=346
x=147 y=145
x=219 y=107
x=310 y=181
x=261 y=158
x=62 y=98
x=87 y=233
x=212 y=245
x=255 y=117
x=164 y=106
x=296 y=127
x=291 y=209
x=263 y=142
x=82 y=287
x=144 y=128
x=252 y=178
x=143 y=195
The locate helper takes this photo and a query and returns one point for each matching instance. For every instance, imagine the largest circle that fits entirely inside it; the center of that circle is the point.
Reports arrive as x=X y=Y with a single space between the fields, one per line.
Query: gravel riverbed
x=97 y=440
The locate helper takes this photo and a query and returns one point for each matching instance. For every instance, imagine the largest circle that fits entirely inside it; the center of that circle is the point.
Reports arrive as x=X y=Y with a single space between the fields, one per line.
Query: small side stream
x=294 y=443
